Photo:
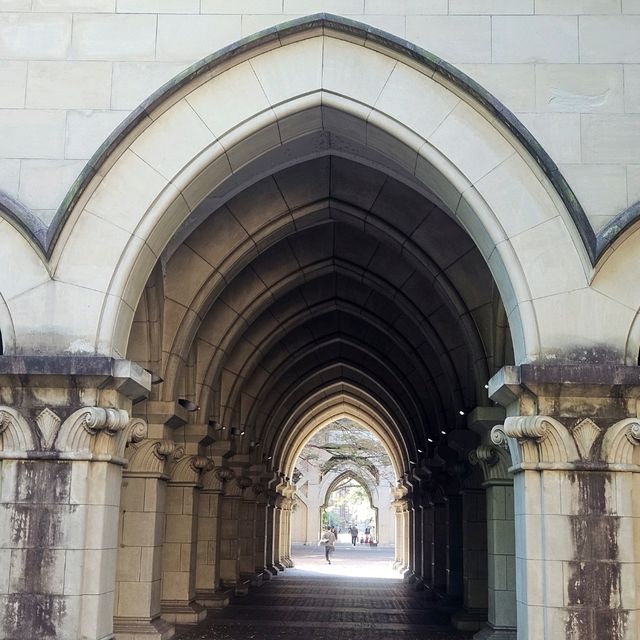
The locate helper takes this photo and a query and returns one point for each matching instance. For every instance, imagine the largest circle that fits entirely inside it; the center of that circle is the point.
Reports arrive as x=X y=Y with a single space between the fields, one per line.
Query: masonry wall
x=71 y=70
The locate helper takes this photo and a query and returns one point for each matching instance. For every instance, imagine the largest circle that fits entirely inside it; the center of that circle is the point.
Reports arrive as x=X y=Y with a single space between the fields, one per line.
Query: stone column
x=473 y=614
x=501 y=578
x=179 y=604
x=230 y=537
x=142 y=523
x=60 y=483
x=427 y=540
x=398 y=507
x=285 y=531
x=260 y=538
x=208 y=591
x=271 y=517
x=439 y=545
x=453 y=544
x=277 y=532
x=573 y=432
x=247 y=534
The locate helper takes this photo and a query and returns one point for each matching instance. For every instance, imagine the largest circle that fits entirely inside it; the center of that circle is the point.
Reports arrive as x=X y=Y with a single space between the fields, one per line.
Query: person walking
x=328 y=539
x=354 y=535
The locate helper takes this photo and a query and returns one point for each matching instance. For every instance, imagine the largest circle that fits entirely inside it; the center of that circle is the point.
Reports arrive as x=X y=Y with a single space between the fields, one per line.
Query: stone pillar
x=426 y=540
x=260 y=538
x=247 y=535
x=439 y=546
x=501 y=577
x=179 y=604
x=230 y=537
x=285 y=531
x=453 y=537
x=573 y=432
x=208 y=591
x=277 y=532
x=398 y=507
x=142 y=523
x=60 y=483
x=473 y=614
x=270 y=538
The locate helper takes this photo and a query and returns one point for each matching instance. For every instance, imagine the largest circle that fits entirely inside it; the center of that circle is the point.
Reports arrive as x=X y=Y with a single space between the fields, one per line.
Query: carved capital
x=149 y=457
x=494 y=462
x=16 y=434
x=90 y=433
x=233 y=488
x=213 y=479
x=188 y=469
x=620 y=443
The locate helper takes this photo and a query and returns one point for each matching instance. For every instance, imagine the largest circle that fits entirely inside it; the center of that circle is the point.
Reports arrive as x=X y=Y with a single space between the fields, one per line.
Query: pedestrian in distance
x=354 y=535
x=328 y=539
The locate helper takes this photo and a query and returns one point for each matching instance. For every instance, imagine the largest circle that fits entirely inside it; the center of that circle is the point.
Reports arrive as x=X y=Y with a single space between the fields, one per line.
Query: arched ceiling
x=325 y=273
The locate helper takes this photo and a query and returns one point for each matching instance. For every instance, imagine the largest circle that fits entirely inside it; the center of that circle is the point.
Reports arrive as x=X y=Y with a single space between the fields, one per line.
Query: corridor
x=357 y=597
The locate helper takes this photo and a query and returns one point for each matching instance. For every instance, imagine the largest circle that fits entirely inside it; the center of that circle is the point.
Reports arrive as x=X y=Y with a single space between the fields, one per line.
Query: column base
x=279 y=566
x=489 y=633
x=469 y=619
x=288 y=563
x=240 y=588
x=142 y=629
x=255 y=579
x=181 y=612
x=266 y=574
x=272 y=570
x=213 y=599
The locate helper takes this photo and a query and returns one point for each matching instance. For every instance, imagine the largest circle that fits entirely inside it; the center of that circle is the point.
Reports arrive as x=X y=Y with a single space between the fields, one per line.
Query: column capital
x=494 y=462
x=148 y=458
x=545 y=442
x=188 y=469
x=89 y=433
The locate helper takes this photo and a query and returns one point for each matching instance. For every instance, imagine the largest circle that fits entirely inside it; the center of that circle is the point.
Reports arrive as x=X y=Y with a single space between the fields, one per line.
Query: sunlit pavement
x=357 y=597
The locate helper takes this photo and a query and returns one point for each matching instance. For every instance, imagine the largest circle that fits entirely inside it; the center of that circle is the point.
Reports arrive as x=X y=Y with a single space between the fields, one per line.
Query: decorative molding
x=188 y=469
x=537 y=439
x=213 y=479
x=585 y=433
x=90 y=433
x=16 y=434
x=149 y=457
x=48 y=425
x=232 y=488
x=620 y=443
x=494 y=462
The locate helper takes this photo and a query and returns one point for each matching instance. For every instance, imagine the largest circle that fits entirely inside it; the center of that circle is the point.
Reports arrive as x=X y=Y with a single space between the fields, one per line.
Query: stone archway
x=317 y=247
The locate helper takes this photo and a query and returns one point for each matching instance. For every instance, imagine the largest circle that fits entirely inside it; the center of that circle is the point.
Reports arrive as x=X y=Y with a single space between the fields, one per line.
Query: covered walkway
x=358 y=597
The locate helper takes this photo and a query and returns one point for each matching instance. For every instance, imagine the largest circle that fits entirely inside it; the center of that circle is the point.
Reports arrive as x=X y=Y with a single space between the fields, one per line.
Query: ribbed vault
x=327 y=288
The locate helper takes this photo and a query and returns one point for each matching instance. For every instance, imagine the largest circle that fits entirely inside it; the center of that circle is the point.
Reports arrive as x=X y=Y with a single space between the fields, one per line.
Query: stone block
x=13 y=79
x=307 y=7
x=87 y=130
x=282 y=77
x=17 y=5
x=32 y=133
x=189 y=38
x=609 y=39
x=159 y=6
x=453 y=38
x=632 y=88
x=243 y=97
x=129 y=564
x=601 y=188
x=491 y=7
x=453 y=136
x=133 y=599
x=257 y=22
x=513 y=84
x=577 y=7
x=37 y=36
x=178 y=528
x=611 y=139
x=633 y=184
x=173 y=140
x=241 y=6
x=140 y=529
x=175 y=585
x=69 y=85
x=75 y=6
x=10 y=176
x=133 y=82
x=393 y=24
x=580 y=88
x=133 y=490
x=534 y=39
x=44 y=183
x=631 y=6
x=406 y=7
x=113 y=37
x=558 y=133
x=33 y=569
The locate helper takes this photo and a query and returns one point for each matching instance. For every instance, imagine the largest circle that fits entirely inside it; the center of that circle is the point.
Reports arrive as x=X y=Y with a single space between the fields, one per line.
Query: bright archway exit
x=345 y=479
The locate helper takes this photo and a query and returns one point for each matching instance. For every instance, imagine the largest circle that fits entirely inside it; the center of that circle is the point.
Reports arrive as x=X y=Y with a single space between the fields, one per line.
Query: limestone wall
x=71 y=70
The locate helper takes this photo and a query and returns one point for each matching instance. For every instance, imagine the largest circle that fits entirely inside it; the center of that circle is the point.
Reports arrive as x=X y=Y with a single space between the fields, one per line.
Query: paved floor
x=357 y=597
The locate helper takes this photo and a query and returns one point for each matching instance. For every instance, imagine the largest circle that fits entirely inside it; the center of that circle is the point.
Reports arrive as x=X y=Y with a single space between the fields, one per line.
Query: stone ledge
x=103 y=372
